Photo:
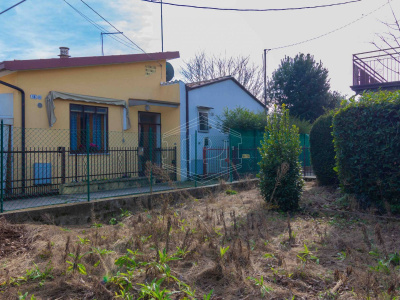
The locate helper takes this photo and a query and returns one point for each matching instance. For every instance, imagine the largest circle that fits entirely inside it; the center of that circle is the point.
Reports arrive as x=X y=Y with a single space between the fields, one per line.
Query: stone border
x=104 y=209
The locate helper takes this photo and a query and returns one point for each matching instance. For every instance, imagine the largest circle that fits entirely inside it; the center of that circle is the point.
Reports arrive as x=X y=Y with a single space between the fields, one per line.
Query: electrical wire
x=332 y=31
x=12 y=7
x=252 y=9
x=98 y=26
x=102 y=29
x=113 y=26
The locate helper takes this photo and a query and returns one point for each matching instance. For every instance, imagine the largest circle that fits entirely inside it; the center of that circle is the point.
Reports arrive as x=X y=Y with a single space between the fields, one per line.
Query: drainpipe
x=187 y=131
x=22 y=129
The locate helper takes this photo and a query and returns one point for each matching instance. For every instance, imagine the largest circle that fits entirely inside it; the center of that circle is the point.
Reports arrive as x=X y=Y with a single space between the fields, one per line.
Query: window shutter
x=97 y=131
x=74 y=131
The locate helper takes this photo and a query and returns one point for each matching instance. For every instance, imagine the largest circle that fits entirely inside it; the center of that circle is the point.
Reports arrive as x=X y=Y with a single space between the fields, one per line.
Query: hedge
x=367 y=144
x=322 y=150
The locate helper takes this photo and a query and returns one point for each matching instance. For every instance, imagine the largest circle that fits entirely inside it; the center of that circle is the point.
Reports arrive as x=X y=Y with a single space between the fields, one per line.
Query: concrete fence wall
x=103 y=210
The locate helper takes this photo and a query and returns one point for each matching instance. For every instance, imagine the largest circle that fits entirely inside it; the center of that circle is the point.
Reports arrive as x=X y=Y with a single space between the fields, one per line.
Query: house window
x=203 y=121
x=91 y=120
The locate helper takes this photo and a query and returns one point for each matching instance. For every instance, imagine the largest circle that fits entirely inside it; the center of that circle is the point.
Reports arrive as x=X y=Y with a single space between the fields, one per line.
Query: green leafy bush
x=322 y=150
x=367 y=144
x=241 y=119
x=303 y=125
x=280 y=170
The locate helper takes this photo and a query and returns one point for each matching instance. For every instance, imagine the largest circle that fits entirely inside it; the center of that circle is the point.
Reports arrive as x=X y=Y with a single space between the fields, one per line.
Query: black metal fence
x=46 y=169
x=62 y=166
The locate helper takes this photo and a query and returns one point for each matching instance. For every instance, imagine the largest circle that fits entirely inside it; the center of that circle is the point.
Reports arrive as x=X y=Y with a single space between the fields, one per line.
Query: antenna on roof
x=102 y=39
x=162 y=28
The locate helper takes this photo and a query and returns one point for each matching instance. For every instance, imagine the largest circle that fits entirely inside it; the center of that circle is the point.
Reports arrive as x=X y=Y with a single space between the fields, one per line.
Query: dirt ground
x=227 y=245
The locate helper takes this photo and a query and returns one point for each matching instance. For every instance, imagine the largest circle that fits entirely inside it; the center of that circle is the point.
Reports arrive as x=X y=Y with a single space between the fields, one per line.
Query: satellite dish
x=170 y=71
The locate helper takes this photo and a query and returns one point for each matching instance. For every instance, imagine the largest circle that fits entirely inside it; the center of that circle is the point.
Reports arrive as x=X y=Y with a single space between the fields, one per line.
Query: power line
x=12 y=7
x=253 y=9
x=113 y=26
x=102 y=29
x=332 y=31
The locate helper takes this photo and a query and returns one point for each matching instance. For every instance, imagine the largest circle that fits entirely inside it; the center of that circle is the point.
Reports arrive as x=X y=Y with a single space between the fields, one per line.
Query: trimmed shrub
x=322 y=150
x=281 y=182
x=367 y=144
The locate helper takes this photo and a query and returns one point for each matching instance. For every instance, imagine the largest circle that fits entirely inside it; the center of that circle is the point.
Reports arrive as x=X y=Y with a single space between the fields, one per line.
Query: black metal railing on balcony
x=378 y=67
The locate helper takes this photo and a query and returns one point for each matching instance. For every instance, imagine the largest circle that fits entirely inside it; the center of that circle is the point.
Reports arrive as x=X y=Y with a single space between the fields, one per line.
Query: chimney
x=64 y=52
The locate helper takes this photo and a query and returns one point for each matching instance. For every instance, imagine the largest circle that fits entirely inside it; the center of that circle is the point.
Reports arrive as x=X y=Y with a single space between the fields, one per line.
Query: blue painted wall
x=217 y=96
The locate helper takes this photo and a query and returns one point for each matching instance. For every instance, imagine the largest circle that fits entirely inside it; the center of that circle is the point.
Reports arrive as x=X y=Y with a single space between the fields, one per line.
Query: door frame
x=143 y=159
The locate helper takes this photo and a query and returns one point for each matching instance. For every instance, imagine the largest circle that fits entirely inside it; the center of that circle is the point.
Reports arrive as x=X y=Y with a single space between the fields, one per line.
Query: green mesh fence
x=246 y=143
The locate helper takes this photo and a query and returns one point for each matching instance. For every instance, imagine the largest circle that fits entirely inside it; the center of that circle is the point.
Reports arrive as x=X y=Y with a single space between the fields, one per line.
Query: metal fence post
x=230 y=162
x=195 y=159
x=2 y=165
x=63 y=168
x=175 y=165
x=304 y=154
x=87 y=161
x=151 y=159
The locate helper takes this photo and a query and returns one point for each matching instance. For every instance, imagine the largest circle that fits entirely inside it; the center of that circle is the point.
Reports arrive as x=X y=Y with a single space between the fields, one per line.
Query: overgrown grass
x=227 y=246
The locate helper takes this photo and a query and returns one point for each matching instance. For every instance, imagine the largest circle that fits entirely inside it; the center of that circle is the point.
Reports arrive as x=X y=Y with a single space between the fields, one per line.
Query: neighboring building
x=201 y=104
x=116 y=99
x=376 y=70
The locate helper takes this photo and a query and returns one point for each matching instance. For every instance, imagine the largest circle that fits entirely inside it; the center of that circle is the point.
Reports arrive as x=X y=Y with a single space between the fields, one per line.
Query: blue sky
x=36 y=28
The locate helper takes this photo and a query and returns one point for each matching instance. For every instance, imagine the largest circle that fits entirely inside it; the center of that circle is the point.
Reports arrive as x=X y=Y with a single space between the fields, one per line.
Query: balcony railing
x=376 y=68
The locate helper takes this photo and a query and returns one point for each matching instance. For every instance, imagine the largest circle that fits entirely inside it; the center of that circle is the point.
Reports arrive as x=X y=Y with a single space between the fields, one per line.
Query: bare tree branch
x=205 y=67
x=392 y=27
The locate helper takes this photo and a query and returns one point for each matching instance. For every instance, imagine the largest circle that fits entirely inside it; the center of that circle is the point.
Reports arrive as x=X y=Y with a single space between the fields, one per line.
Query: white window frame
x=202 y=111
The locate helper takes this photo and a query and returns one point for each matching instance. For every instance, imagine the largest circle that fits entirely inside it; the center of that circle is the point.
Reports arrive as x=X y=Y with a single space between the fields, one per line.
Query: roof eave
x=46 y=64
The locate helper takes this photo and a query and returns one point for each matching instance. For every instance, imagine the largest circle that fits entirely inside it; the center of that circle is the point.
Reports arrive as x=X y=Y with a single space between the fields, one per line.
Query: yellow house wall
x=124 y=81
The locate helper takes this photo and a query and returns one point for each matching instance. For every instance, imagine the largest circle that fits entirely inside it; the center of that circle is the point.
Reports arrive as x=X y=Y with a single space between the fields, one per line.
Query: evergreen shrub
x=322 y=150
x=280 y=176
x=367 y=144
x=241 y=118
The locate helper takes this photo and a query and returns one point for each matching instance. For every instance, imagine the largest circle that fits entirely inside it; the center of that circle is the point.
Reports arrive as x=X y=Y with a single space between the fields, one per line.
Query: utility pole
x=162 y=28
x=265 y=78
